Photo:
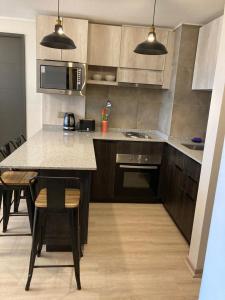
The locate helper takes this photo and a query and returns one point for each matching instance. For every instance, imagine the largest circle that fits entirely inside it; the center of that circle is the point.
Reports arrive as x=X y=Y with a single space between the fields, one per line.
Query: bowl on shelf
x=110 y=77
x=97 y=76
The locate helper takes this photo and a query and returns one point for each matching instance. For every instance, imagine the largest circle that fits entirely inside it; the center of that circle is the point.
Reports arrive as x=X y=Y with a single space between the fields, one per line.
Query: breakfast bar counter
x=53 y=152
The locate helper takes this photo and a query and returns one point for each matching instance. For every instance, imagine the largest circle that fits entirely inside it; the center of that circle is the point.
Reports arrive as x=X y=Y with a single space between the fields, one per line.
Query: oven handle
x=138 y=167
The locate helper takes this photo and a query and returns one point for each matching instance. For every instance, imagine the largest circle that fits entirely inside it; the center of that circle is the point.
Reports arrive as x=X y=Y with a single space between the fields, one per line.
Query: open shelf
x=103 y=71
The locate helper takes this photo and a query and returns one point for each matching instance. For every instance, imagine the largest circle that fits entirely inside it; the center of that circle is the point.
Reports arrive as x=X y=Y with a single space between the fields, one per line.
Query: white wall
x=213 y=282
x=33 y=99
x=210 y=164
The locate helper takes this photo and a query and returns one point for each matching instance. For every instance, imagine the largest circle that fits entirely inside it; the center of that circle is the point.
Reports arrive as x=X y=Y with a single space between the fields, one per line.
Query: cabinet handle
x=189 y=196
x=138 y=167
x=178 y=167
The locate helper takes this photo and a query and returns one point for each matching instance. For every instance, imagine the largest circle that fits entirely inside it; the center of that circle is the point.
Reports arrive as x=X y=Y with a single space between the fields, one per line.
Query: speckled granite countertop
x=52 y=148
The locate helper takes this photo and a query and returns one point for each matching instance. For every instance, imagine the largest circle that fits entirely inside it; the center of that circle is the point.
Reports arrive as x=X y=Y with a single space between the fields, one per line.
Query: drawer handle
x=138 y=167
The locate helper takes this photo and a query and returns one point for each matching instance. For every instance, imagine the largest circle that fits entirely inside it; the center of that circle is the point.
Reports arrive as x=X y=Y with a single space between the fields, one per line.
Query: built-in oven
x=67 y=78
x=137 y=177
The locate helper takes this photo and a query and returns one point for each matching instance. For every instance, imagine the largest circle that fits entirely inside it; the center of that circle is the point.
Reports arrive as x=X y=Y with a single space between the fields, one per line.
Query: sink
x=137 y=135
x=194 y=147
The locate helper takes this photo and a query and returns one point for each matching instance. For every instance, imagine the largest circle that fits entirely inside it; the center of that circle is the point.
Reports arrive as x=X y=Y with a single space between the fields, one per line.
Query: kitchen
x=156 y=96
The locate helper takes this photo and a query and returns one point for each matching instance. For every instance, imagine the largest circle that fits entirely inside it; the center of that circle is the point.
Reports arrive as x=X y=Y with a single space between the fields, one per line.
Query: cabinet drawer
x=140 y=76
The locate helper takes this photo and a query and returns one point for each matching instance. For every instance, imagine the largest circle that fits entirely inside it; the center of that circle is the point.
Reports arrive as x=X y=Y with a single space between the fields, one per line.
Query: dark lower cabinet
x=178 y=184
x=104 y=178
x=114 y=183
x=179 y=181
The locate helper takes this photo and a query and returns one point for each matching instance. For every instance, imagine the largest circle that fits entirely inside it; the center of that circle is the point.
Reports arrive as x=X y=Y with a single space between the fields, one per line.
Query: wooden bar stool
x=56 y=196
x=11 y=181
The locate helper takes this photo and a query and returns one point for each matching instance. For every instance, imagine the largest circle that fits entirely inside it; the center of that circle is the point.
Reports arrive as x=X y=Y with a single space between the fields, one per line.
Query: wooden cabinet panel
x=104 y=178
x=140 y=76
x=179 y=181
x=77 y=30
x=104 y=45
x=45 y=25
x=131 y=37
x=206 y=56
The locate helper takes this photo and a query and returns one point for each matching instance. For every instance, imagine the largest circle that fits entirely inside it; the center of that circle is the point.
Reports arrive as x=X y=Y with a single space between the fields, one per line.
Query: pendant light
x=58 y=39
x=151 y=46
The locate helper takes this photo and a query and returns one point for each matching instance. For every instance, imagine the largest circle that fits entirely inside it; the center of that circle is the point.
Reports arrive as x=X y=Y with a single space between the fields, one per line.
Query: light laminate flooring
x=134 y=252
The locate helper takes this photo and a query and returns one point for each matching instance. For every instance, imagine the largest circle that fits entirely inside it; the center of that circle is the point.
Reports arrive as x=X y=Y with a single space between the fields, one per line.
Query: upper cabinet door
x=77 y=30
x=206 y=56
x=104 y=45
x=131 y=37
x=45 y=26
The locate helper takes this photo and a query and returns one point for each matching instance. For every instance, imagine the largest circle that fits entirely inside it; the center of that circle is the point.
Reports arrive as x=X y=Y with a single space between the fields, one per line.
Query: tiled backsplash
x=54 y=105
x=131 y=107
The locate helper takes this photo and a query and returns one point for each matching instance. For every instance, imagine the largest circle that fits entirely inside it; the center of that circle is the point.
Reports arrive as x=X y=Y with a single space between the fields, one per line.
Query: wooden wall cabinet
x=44 y=26
x=104 y=45
x=131 y=37
x=178 y=188
x=145 y=69
x=76 y=29
x=206 y=56
x=138 y=76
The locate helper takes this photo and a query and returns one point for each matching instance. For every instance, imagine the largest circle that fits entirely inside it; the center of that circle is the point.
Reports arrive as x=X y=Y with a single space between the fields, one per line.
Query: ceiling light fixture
x=151 y=46
x=58 y=39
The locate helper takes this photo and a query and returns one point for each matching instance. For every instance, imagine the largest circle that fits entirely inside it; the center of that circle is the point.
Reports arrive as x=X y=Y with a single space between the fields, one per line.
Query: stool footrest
x=54 y=266
x=18 y=214
x=19 y=234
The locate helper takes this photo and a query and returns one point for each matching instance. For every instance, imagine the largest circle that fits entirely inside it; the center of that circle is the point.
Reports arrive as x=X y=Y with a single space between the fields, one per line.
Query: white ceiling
x=168 y=12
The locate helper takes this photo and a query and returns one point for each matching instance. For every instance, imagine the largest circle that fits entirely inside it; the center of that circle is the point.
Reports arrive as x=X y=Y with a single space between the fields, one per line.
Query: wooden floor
x=134 y=252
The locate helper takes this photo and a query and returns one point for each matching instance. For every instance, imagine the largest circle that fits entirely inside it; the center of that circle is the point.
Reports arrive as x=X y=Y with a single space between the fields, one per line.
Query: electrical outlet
x=61 y=114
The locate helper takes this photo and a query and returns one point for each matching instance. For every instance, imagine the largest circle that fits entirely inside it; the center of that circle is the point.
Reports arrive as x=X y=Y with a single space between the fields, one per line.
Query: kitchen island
x=53 y=152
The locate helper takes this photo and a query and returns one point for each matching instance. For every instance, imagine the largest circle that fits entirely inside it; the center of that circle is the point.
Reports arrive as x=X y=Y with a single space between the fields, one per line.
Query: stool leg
x=30 y=208
x=43 y=221
x=33 y=248
x=75 y=241
x=0 y=199
x=7 y=195
x=81 y=246
x=17 y=194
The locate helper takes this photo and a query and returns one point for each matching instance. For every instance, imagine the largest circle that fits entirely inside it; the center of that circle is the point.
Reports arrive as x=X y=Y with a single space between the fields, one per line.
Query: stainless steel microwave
x=59 y=77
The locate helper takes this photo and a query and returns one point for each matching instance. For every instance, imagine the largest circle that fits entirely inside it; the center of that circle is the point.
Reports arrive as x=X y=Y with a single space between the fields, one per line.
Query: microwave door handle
x=138 y=167
x=83 y=76
x=70 y=78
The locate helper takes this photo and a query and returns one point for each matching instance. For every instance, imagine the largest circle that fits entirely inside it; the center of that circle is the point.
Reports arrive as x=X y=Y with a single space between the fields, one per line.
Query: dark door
x=12 y=87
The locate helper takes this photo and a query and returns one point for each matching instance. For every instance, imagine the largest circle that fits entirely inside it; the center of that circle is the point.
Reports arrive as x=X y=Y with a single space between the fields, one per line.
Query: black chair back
x=55 y=187
x=5 y=150
x=17 y=142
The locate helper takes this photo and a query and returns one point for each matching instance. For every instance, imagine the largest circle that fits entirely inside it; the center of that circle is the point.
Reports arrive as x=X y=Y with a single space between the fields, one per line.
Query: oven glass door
x=136 y=181
x=54 y=77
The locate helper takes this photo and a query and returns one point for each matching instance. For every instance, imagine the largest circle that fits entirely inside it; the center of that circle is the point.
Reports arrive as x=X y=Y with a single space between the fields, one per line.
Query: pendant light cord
x=153 y=20
x=58 y=9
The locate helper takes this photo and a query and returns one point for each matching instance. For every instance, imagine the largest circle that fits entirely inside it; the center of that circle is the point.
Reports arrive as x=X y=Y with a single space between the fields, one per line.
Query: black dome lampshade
x=58 y=39
x=151 y=46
